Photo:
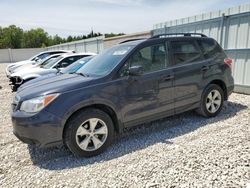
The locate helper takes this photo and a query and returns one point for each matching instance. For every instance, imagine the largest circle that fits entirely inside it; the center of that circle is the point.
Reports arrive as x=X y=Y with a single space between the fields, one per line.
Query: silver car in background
x=33 y=60
x=50 y=67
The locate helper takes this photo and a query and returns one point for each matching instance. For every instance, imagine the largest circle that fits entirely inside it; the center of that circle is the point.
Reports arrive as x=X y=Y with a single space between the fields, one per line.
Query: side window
x=151 y=58
x=210 y=48
x=67 y=61
x=185 y=52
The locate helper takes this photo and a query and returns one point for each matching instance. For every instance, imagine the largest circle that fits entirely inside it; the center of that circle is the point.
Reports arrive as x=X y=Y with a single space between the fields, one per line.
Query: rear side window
x=210 y=48
x=185 y=52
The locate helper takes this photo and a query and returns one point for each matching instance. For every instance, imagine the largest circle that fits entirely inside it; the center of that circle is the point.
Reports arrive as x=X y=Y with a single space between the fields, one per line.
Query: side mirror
x=36 y=59
x=135 y=71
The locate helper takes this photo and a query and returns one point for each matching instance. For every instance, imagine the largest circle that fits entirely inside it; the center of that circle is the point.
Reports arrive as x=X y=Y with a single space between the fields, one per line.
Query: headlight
x=38 y=103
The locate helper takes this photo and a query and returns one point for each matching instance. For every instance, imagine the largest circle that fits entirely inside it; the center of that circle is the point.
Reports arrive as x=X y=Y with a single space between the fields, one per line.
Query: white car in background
x=35 y=59
x=36 y=64
x=50 y=67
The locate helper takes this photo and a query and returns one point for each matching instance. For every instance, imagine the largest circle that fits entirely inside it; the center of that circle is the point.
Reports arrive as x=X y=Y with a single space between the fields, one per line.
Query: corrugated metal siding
x=241 y=66
x=230 y=27
x=88 y=45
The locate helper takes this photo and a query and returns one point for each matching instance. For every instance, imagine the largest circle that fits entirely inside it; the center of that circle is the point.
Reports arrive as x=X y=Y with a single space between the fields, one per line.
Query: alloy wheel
x=213 y=101
x=91 y=134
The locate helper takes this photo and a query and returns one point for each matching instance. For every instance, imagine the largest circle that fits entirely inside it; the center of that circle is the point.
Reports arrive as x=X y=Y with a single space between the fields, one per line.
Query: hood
x=34 y=81
x=13 y=66
x=24 y=67
x=19 y=63
x=55 y=84
x=36 y=71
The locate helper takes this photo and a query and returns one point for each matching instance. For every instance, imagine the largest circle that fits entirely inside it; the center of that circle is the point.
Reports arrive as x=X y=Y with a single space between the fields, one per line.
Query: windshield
x=40 y=57
x=104 y=63
x=77 y=65
x=48 y=64
x=45 y=61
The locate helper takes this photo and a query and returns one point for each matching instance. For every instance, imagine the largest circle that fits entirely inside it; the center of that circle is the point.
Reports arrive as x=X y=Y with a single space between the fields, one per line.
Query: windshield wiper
x=81 y=74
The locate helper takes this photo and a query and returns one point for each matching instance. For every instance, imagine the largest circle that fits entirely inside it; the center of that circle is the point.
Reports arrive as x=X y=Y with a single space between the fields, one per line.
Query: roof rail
x=175 y=34
x=130 y=40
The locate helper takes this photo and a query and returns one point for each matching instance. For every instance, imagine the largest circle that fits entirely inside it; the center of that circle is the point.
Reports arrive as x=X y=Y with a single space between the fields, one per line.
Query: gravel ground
x=181 y=151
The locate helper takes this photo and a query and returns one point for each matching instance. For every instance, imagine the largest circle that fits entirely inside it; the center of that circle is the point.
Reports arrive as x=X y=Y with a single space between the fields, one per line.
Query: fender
x=31 y=76
x=211 y=78
x=90 y=102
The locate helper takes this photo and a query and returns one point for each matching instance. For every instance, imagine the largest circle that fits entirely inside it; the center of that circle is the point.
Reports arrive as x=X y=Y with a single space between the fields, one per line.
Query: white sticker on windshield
x=82 y=62
x=120 y=52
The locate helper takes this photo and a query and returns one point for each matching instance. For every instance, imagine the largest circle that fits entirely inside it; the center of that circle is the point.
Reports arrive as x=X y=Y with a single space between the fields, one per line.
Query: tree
x=15 y=37
x=35 y=38
x=55 y=40
x=11 y=37
x=70 y=39
x=108 y=35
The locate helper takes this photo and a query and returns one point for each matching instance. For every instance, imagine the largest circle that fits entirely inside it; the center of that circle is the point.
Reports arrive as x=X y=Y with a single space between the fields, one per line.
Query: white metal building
x=230 y=27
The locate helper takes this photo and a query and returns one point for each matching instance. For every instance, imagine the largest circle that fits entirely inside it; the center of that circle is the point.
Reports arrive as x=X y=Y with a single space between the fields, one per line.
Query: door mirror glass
x=135 y=71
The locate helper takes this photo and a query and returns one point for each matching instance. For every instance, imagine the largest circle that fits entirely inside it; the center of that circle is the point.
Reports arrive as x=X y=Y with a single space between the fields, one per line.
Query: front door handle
x=167 y=78
x=204 y=68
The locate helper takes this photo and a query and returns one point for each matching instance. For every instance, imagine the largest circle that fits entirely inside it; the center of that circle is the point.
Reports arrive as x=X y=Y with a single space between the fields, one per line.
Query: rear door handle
x=167 y=78
x=204 y=68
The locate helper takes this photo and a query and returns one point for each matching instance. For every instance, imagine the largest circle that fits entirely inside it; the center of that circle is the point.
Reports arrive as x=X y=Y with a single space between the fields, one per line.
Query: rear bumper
x=230 y=90
x=42 y=129
x=230 y=86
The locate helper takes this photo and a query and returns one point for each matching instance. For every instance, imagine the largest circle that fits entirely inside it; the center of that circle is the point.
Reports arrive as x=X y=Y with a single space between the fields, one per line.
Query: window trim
x=204 y=50
x=167 y=57
x=173 y=64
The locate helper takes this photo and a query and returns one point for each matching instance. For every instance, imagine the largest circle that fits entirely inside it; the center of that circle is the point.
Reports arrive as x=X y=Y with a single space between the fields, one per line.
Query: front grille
x=16 y=80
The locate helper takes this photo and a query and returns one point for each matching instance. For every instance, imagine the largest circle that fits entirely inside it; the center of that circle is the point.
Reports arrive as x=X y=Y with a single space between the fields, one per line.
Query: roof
x=133 y=42
x=167 y=36
x=67 y=51
x=77 y=54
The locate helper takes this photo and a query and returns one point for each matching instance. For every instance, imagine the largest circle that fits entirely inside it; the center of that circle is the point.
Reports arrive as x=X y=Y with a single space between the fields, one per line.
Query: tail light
x=229 y=62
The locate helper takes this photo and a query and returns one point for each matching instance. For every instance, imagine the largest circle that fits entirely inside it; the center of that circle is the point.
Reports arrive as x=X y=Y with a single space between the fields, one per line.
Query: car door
x=142 y=96
x=189 y=67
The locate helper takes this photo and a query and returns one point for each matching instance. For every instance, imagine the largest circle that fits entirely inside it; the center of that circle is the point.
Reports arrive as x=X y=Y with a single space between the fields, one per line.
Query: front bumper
x=15 y=82
x=42 y=129
x=7 y=72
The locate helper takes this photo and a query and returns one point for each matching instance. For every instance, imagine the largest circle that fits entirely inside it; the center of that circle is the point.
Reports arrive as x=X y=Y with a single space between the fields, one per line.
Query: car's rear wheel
x=211 y=101
x=89 y=132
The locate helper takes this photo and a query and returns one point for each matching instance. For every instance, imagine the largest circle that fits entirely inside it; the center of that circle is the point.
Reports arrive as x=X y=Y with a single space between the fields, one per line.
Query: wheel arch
x=222 y=85
x=104 y=107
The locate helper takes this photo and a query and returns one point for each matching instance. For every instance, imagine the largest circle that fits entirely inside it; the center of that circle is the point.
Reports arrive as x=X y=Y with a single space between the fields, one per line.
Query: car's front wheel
x=211 y=101
x=89 y=132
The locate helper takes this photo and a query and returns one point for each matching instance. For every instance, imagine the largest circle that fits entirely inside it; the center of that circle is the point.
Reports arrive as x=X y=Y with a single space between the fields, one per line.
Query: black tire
x=202 y=110
x=75 y=122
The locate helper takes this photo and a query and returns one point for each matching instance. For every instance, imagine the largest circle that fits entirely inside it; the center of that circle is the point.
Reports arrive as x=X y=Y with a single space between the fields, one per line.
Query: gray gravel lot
x=181 y=151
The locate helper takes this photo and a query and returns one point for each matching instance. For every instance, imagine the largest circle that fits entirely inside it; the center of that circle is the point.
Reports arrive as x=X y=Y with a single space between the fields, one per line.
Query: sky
x=77 y=17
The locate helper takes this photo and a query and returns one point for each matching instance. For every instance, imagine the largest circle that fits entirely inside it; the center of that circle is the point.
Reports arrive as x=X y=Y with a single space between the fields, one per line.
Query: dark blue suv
x=129 y=84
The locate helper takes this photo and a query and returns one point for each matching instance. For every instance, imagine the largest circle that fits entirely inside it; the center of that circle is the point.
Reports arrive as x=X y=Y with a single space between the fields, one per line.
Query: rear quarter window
x=185 y=51
x=210 y=48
